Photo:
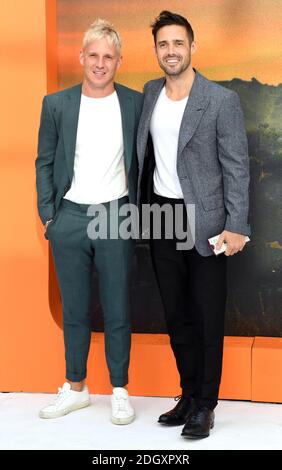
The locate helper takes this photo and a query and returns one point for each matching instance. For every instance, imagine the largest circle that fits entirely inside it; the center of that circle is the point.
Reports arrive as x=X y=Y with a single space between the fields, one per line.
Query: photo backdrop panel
x=239 y=47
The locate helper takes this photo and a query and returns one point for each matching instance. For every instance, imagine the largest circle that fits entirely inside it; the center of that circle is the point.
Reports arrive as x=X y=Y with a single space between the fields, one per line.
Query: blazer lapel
x=195 y=108
x=151 y=98
x=128 y=122
x=71 y=104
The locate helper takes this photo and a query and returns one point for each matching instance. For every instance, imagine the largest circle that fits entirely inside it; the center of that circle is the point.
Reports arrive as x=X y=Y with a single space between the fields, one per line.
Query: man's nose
x=171 y=50
x=100 y=62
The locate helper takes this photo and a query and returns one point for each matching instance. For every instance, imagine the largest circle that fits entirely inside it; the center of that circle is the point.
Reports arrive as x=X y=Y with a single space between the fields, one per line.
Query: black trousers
x=193 y=292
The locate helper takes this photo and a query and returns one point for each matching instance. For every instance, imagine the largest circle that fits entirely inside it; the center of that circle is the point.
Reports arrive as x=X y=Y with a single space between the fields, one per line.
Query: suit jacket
x=212 y=158
x=57 y=140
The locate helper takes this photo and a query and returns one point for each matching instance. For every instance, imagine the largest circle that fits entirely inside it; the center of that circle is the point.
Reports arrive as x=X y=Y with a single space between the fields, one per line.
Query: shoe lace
x=60 y=395
x=121 y=403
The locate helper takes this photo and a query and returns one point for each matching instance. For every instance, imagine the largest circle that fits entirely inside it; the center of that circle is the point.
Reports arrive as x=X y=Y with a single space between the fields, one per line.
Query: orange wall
x=26 y=323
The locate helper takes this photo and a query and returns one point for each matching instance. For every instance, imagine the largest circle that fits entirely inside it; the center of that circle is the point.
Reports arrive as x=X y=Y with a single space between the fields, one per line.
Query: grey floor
x=239 y=425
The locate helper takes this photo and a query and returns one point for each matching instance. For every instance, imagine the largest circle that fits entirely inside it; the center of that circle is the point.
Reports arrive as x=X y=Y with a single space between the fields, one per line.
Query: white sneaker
x=122 y=411
x=66 y=400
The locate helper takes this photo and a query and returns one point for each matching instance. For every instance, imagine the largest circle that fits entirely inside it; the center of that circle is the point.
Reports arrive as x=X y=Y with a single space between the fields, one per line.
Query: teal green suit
x=57 y=139
x=73 y=251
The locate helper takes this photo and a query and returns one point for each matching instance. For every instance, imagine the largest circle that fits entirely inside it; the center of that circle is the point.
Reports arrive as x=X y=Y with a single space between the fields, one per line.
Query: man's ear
x=119 y=62
x=193 y=47
x=81 y=57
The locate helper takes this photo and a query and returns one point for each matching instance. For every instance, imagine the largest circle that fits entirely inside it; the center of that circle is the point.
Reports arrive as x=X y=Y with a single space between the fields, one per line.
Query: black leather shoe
x=199 y=423
x=180 y=413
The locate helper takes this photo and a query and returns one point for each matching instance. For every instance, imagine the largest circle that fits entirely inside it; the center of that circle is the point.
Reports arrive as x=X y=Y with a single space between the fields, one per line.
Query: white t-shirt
x=99 y=171
x=164 y=127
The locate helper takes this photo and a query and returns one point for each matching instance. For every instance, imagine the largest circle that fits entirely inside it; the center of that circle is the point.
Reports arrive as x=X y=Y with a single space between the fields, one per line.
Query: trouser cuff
x=187 y=393
x=210 y=404
x=119 y=381
x=75 y=377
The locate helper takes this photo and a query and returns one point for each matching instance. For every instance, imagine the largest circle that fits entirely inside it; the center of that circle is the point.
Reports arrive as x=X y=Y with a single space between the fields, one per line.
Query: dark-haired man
x=192 y=149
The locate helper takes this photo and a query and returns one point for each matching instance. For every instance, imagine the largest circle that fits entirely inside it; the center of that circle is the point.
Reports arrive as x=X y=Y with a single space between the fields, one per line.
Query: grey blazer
x=212 y=158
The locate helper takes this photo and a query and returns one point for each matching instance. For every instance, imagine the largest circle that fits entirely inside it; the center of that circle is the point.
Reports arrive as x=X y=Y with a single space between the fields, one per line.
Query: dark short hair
x=167 y=18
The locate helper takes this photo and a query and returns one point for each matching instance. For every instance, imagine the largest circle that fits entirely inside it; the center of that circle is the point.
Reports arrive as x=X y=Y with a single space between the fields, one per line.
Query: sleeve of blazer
x=234 y=160
x=47 y=144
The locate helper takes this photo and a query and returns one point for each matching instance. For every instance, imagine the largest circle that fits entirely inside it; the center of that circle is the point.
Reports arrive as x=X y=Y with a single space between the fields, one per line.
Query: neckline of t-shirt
x=174 y=101
x=91 y=99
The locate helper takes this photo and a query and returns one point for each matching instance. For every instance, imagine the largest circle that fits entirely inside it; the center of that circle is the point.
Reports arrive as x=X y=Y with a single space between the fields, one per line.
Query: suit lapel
x=128 y=122
x=71 y=105
x=151 y=98
x=195 y=108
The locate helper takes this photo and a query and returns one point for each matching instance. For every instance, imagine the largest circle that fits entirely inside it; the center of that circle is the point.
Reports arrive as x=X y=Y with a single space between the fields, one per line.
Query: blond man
x=87 y=156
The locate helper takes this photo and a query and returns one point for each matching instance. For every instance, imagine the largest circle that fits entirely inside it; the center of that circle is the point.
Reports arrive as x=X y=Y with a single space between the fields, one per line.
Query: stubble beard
x=175 y=73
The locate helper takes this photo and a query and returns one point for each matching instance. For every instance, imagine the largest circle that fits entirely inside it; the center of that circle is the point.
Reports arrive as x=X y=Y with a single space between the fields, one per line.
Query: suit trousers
x=193 y=293
x=74 y=254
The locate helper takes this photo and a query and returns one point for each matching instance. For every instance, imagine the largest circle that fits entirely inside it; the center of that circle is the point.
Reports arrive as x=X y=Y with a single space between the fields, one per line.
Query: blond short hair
x=100 y=29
